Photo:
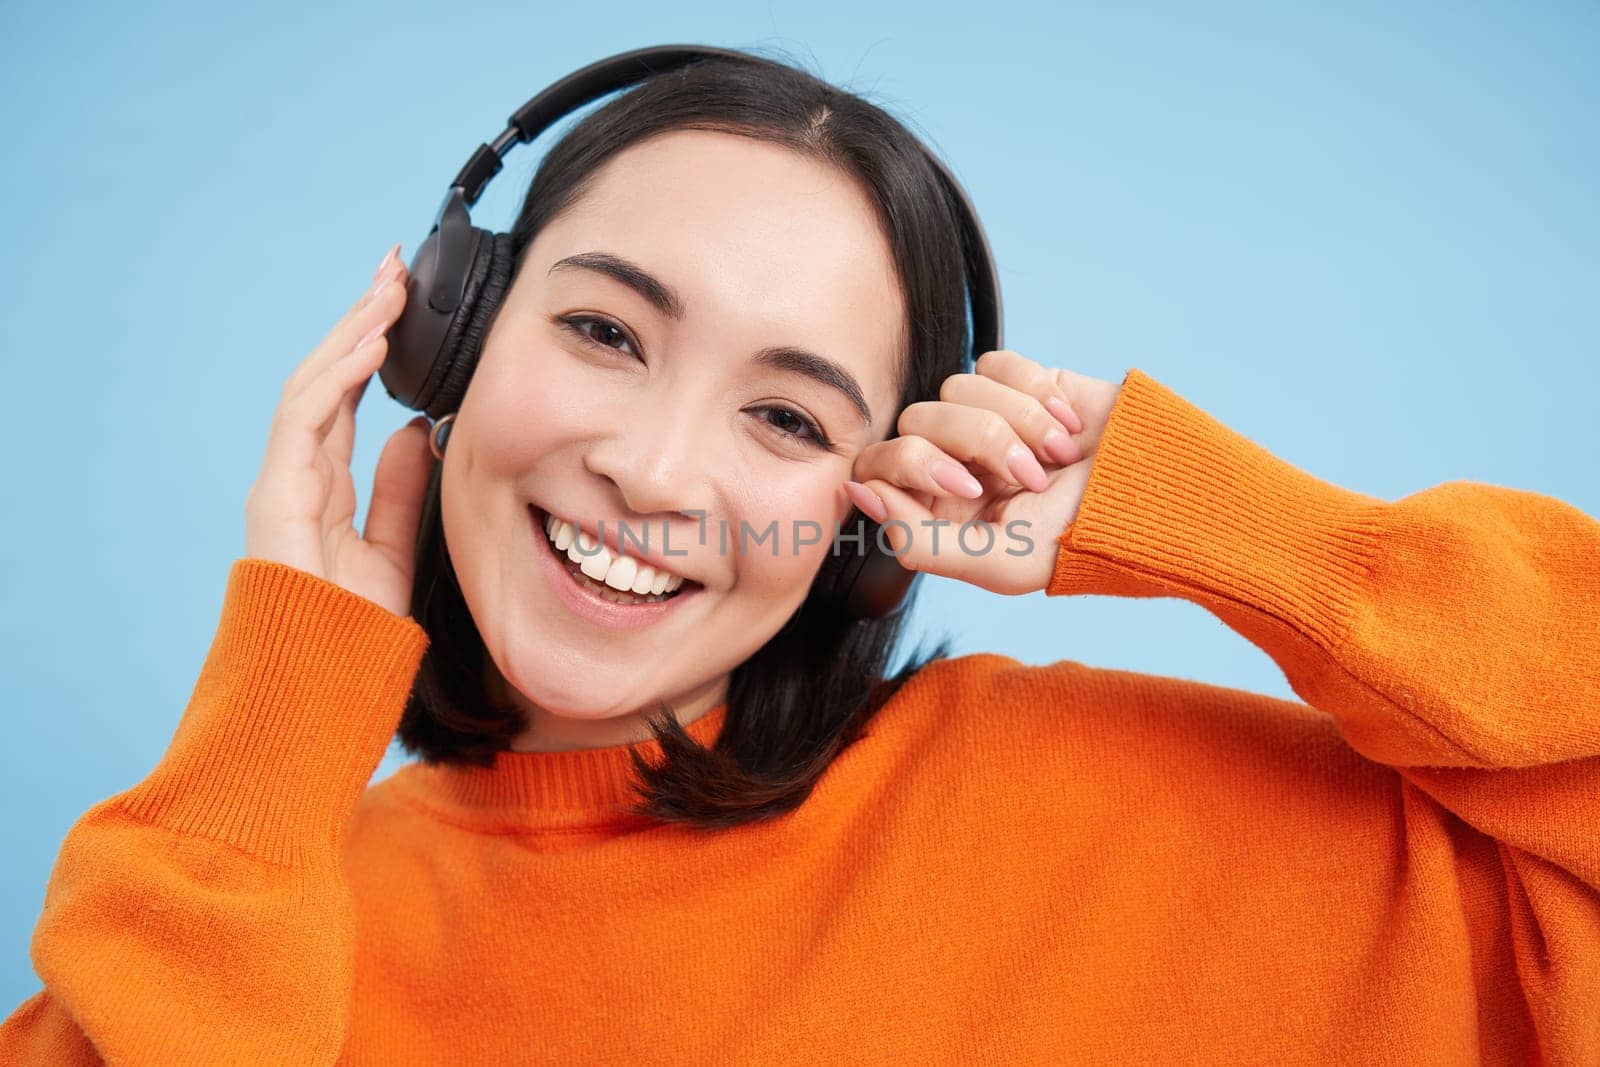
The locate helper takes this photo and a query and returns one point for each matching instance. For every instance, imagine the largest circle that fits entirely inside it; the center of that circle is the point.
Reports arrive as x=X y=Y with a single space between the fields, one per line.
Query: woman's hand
x=301 y=507
x=1011 y=443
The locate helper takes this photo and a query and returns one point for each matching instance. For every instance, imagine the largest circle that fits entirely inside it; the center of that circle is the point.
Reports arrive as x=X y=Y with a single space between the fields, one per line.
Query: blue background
x=1365 y=238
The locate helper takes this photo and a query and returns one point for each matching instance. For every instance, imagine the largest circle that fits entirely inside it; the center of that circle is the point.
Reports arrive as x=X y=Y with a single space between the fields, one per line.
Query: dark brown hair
x=806 y=694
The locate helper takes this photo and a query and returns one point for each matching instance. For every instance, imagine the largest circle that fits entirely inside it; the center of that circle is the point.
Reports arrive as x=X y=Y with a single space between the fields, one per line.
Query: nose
x=659 y=459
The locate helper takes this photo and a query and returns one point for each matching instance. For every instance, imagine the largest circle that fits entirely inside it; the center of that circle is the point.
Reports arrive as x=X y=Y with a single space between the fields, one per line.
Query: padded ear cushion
x=865 y=584
x=833 y=578
x=486 y=286
x=878 y=586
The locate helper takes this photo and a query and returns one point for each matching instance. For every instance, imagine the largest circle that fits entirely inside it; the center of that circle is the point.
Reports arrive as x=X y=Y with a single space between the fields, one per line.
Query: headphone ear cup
x=878 y=585
x=864 y=581
x=487 y=282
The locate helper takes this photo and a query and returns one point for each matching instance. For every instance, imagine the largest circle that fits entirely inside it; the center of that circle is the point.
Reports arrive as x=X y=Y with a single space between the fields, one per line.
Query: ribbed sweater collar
x=531 y=790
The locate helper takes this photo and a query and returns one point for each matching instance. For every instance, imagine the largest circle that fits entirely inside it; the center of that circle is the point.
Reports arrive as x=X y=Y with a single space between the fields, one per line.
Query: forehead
x=764 y=244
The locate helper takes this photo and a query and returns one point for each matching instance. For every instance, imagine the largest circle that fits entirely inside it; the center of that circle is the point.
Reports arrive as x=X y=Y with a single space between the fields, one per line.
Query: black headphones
x=460 y=273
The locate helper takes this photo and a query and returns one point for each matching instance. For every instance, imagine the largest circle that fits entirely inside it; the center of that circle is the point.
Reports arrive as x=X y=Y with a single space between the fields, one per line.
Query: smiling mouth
x=604 y=573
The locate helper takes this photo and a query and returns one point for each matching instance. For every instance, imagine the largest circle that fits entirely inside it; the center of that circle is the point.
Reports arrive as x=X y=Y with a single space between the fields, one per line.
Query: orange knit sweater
x=1018 y=864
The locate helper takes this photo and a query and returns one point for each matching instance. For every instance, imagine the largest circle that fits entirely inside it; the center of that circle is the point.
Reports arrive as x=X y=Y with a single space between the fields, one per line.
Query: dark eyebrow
x=630 y=274
x=667 y=301
x=821 y=369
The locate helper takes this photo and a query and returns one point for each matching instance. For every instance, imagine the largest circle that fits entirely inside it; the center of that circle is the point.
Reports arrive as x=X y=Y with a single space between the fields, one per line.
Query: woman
x=694 y=817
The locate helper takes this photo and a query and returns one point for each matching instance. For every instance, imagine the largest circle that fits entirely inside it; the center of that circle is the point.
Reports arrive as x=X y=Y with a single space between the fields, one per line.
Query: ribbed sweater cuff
x=1178 y=504
x=296 y=702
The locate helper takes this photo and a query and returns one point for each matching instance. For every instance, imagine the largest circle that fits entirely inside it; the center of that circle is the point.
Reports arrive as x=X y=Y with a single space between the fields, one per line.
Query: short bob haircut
x=807 y=694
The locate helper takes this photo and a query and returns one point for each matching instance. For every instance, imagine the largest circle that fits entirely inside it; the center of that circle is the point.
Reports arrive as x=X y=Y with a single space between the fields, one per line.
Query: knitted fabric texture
x=1017 y=863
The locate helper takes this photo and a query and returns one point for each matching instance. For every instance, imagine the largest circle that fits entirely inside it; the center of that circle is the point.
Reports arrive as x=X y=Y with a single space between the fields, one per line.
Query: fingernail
x=374 y=332
x=385 y=280
x=1025 y=469
x=1060 y=448
x=956 y=479
x=387 y=256
x=1064 y=414
x=867 y=501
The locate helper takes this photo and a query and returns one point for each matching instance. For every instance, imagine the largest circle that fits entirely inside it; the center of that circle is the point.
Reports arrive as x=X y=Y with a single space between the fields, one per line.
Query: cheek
x=526 y=400
x=801 y=509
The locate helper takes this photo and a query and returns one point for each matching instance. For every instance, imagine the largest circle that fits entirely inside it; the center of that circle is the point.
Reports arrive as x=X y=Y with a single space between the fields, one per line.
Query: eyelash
x=578 y=325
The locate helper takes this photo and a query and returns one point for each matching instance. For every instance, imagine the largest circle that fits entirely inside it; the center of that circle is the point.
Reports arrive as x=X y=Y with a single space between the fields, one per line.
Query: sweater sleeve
x=203 y=916
x=1453 y=634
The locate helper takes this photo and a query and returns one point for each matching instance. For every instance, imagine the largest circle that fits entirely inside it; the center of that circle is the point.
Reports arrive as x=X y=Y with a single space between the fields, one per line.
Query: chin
x=559 y=688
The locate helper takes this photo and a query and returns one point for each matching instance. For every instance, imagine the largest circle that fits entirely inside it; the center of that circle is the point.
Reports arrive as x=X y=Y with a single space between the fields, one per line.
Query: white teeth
x=620 y=576
x=596 y=560
x=643 y=578
x=594 y=568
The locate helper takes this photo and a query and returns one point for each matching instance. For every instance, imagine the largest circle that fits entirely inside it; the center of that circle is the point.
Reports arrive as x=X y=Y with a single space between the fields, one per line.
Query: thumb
x=921 y=542
x=397 y=488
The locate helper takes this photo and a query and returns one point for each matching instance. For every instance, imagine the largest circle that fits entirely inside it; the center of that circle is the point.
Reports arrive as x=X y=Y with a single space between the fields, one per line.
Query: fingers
x=1008 y=419
x=320 y=398
x=922 y=543
x=979 y=552
x=1027 y=376
x=397 y=490
x=971 y=435
x=918 y=464
x=304 y=421
x=1026 y=414
x=342 y=437
x=897 y=504
x=379 y=306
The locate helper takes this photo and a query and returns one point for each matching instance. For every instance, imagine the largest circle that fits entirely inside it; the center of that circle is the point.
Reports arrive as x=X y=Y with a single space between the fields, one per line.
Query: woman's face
x=686 y=351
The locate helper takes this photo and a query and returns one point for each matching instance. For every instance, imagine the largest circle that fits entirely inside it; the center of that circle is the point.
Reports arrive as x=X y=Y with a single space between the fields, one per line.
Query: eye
x=597 y=333
x=790 y=423
x=603 y=333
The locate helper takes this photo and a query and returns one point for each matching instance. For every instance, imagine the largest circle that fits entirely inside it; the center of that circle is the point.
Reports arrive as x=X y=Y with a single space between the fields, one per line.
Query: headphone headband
x=460 y=273
x=607 y=75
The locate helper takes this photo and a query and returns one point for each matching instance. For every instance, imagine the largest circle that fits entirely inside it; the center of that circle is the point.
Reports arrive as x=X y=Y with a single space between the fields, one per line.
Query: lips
x=600 y=605
x=625 y=573
x=621 y=579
